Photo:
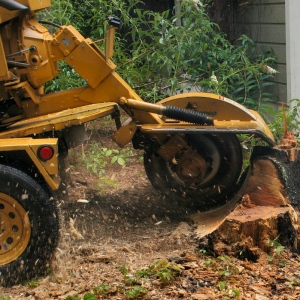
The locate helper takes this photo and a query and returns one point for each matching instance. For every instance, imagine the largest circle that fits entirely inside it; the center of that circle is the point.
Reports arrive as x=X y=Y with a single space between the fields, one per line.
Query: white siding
x=293 y=46
x=264 y=22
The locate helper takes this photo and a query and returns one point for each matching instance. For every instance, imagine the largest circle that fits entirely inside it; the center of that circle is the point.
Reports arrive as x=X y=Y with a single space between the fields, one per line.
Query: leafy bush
x=159 y=58
x=168 y=59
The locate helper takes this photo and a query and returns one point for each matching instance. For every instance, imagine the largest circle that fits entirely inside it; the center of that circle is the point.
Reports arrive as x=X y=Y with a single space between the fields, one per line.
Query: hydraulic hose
x=185 y=115
x=172 y=112
x=50 y=23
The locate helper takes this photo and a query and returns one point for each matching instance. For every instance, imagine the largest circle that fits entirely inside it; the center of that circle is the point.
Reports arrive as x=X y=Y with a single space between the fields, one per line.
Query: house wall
x=264 y=22
x=292 y=13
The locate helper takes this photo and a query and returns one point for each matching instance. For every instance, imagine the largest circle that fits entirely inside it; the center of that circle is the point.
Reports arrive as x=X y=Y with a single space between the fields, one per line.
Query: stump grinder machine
x=190 y=141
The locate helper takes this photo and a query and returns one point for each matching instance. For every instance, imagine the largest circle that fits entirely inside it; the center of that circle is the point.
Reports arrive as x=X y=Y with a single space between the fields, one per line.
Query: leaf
x=279 y=249
x=235 y=292
x=75 y=297
x=101 y=289
x=221 y=285
x=121 y=161
x=108 y=153
x=89 y=296
x=114 y=159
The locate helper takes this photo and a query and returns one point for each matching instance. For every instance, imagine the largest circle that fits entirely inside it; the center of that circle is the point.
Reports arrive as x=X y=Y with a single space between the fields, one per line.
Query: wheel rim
x=15 y=229
x=208 y=150
x=207 y=147
x=217 y=157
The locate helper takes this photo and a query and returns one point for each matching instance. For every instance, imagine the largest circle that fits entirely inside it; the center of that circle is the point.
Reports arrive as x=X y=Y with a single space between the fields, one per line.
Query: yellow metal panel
x=124 y=135
x=59 y=120
x=109 y=45
x=215 y=106
x=233 y=126
x=90 y=64
x=50 y=165
x=6 y=15
x=3 y=64
x=49 y=169
x=224 y=111
x=113 y=88
x=42 y=68
x=67 y=39
x=30 y=146
x=35 y=4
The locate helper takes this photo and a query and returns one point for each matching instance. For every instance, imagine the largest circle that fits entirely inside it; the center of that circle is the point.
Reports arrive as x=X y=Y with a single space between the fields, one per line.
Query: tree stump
x=268 y=210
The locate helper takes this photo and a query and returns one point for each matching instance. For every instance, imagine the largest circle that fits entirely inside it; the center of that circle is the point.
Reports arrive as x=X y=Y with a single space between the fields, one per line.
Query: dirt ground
x=112 y=231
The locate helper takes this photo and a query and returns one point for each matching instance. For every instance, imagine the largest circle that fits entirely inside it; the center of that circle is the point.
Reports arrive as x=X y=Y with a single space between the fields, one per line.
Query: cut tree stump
x=268 y=210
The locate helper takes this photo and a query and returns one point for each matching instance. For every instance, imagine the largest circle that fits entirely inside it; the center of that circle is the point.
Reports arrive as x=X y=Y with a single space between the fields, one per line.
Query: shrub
x=158 y=57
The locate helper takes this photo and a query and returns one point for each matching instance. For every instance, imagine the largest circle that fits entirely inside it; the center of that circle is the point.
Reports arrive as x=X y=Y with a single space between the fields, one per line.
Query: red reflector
x=45 y=152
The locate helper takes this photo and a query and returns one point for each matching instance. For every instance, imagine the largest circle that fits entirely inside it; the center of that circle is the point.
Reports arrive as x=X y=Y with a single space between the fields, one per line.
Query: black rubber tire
x=214 y=193
x=44 y=223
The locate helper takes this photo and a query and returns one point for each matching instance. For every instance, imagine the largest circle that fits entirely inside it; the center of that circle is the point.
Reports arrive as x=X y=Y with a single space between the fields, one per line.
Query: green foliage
x=234 y=293
x=278 y=248
x=133 y=289
x=96 y=158
x=204 y=251
x=223 y=265
x=104 y=182
x=293 y=281
x=226 y=267
x=136 y=292
x=89 y=296
x=129 y=278
x=209 y=262
x=166 y=271
x=59 y=13
x=101 y=289
x=4 y=297
x=68 y=78
x=276 y=253
x=226 y=271
x=276 y=120
x=74 y=297
x=194 y=55
x=161 y=269
x=32 y=284
x=221 y=285
x=117 y=156
x=159 y=58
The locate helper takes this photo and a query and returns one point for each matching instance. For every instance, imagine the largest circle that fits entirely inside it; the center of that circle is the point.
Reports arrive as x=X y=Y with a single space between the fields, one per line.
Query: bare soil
x=125 y=223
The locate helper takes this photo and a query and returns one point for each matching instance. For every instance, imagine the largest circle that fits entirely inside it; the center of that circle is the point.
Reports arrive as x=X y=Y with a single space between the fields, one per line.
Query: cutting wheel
x=204 y=173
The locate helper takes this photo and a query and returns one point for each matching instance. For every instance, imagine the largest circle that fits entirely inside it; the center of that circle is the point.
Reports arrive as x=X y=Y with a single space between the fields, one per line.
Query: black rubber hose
x=13 y=5
x=185 y=115
x=50 y=23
